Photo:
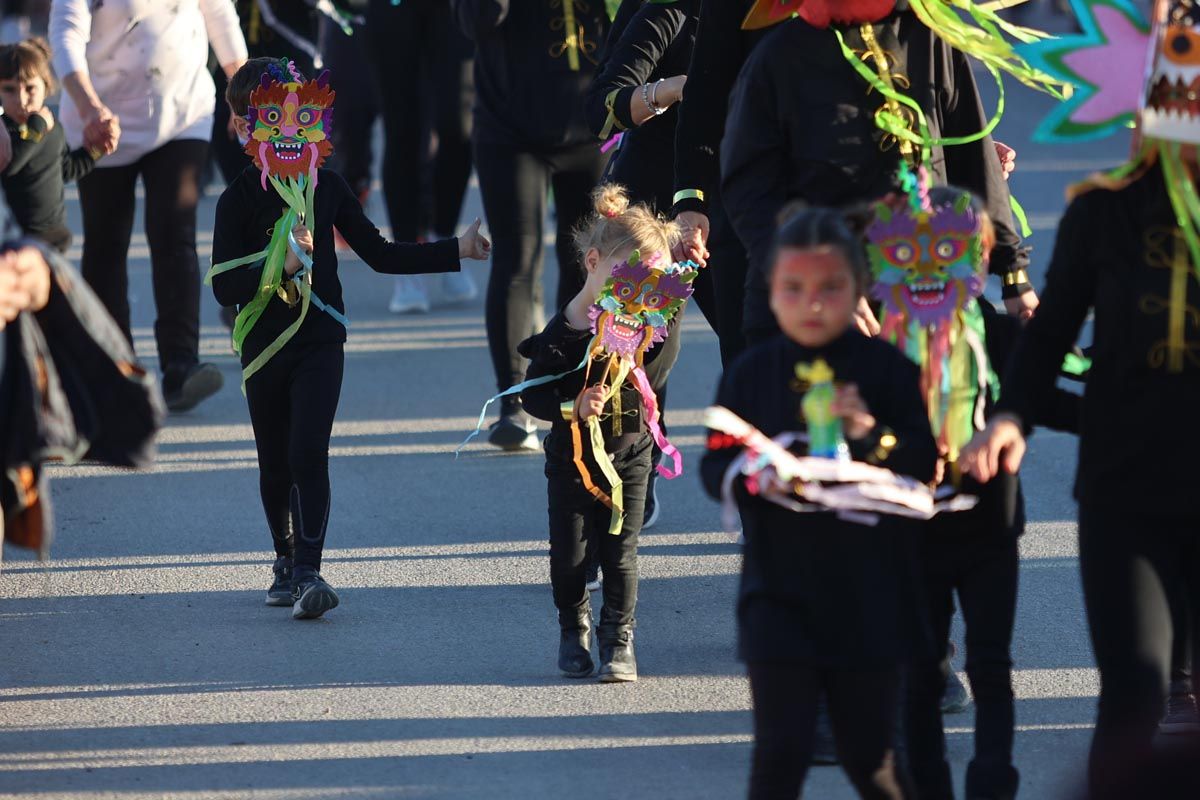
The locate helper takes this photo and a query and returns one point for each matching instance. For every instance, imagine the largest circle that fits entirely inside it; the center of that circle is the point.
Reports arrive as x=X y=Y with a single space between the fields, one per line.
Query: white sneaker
x=409 y=296
x=458 y=287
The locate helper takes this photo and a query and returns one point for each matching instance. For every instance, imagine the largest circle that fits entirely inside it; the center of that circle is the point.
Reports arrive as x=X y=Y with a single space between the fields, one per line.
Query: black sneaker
x=311 y=596
x=1182 y=715
x=515 y=431
x=184 y=389
x=280 y=593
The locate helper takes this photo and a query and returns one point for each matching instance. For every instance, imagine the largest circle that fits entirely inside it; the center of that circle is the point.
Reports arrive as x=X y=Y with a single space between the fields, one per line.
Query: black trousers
x=862 y=707
x=983 y=572
x=514 y=183
x=727 y=264
x=579 y=522
x=171 y=177
x=357 y=103
x=403 y=40
x=1131 y=563
x=293 y=400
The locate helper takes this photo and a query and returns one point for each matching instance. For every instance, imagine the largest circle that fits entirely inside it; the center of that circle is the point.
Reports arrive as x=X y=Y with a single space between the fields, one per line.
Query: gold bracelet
x=1014 y=278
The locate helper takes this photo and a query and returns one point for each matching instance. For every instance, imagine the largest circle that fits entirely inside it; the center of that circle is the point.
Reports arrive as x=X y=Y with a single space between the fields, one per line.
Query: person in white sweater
x=135 y=70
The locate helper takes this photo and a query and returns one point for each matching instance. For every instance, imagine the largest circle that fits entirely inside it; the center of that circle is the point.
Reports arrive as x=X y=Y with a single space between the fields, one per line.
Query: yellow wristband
x=1014 y=278
x=688 y=194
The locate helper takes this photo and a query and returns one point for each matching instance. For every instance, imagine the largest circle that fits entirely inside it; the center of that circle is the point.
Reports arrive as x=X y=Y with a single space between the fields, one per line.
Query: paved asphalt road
x=141 y=661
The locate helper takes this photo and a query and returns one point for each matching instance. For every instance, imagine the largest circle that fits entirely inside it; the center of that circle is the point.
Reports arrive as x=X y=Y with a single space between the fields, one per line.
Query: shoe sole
x=314 y=603
x=577 y=675
x=612 y=677
x=200 y=386
x=279 y=600
x=514 y=439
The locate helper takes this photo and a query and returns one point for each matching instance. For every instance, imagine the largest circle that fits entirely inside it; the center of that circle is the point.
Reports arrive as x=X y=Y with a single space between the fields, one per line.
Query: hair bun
x=610 y=200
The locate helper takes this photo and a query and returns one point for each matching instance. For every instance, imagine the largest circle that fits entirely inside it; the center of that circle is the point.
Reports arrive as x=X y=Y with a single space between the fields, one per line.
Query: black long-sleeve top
x=1138 y=433
x=648 y=42
x=802 y=127
x=1001 y=508
x=526 y=92
x=246 y=217
x=721 y=49
x=815 y=588
x=560 y=348
x=34 y=179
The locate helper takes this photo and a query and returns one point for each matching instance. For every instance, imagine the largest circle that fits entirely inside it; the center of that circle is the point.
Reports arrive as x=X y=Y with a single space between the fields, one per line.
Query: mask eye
x=654 y=301
x=306 y=116
x=271 y=115
x=624 y=290
x=949 y=250
x=902 y=253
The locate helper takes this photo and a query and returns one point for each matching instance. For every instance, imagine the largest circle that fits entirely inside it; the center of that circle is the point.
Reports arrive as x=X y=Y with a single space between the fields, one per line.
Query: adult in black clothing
x=358 y=103
x=414 y=46
x=802 y=127
x=720 y=50
x=640 y=80
x=825 y=604
x=534 y=61
x=1117 y=256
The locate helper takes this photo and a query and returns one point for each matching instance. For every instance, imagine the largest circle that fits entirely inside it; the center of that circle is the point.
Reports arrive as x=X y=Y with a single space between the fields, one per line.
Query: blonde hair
x=28 y=59
x=616 y=223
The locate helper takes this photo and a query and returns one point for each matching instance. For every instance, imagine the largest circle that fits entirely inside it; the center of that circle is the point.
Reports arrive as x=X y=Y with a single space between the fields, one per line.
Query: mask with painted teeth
x=638 y=301
x=927 y=260
x=290 y=122
x=1172 y=104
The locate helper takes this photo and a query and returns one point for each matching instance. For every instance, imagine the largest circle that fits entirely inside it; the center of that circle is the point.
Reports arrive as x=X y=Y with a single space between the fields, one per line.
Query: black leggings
x=983 y=571
x=1131 y=563
x=293 y=400
x=403 y=38
x=514 y=184
x=579 y=524
x=357 y=104
x=171 y=176
x=862 y=708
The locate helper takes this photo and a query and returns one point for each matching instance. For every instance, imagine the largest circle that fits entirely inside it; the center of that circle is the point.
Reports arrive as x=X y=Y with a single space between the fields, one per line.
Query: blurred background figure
x=414 y=46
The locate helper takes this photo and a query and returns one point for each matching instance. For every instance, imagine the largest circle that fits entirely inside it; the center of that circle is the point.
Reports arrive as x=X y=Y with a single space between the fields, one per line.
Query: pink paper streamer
x=650 y=404
x=613 y=142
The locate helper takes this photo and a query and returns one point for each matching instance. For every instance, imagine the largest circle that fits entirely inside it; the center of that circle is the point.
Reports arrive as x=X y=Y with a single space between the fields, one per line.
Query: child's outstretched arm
x=392 y=258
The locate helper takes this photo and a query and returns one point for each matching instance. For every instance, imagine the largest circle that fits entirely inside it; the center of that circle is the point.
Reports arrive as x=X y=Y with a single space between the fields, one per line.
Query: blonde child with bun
x=606 y=238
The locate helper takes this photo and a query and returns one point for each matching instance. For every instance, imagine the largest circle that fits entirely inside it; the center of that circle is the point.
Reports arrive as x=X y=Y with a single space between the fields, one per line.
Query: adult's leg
x=171 y=175
x=927 y=674
x=267 y=394
x=576 y=172
x=862 y=707
x=453 y=80
x=316 y=385
x=226 y=150
x=785 y=710
x=513 y=184
x=106 y=199
x=727 y=263
x=1123 y=560
x=357 y=103
x=987 y=590
x=394 y=37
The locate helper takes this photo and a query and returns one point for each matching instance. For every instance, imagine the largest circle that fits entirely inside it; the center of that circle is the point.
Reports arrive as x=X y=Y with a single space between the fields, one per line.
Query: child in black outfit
x=578 y=520
x=41 y=161
x=294 y=396
x=825 y=604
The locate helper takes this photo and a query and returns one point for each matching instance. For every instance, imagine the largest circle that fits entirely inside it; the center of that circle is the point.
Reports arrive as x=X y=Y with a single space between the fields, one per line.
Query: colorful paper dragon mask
x=637 y=303
x=290 y=123
x=927 y=261
x=1172 y=103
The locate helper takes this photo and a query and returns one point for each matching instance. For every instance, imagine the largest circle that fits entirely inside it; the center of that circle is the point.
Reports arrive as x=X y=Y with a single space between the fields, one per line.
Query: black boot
x=574 y=643
x=617 y=661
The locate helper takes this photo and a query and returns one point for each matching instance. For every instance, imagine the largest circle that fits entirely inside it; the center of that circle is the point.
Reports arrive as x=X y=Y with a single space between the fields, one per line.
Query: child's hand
x=856 y=417
x=590 y=402
x=45 y=114
x=473 y=244
x=865 y=318
x=1000 y=444
x=303 y=237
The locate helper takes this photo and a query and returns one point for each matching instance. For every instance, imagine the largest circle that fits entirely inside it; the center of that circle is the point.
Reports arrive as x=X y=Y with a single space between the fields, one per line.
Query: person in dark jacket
x=803 y=127
x=1121 y=258
x=580 y=521
x=42 y=162
x=292 y=390
x=825 y=604
x=534 y=61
